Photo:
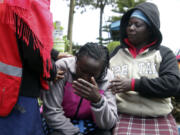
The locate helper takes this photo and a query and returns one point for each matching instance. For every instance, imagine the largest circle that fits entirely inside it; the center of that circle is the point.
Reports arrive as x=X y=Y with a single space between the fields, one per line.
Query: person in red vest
x=25 y=64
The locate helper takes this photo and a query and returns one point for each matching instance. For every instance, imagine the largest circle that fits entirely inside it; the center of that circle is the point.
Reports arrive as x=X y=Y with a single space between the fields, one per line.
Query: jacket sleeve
x=31 y=58
x=53 y=111
x=168 y=82
x=106 y=115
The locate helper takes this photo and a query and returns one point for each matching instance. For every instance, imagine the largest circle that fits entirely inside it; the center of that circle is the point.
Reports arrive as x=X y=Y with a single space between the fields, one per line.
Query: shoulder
x=66 y=63
x=167 y=54
x=165 y=50
x=115 y=51
x=103 y=84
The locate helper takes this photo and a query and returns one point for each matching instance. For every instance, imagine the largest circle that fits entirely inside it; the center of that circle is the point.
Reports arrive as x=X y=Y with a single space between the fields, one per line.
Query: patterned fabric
x=85 y=126
x=132 y=125
x=46 y=128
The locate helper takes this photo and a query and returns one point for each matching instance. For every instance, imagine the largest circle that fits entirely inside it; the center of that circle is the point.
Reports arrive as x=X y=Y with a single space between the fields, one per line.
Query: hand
x=59 y=75
x=87 y=90
x=120 y=85
x=63 y=55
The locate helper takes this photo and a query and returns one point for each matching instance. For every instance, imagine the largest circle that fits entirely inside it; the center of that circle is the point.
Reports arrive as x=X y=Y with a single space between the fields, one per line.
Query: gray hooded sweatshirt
x=104 y=112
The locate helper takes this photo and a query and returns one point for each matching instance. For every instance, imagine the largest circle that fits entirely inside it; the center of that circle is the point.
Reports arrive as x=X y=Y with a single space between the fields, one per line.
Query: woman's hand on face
x=89 y=91
x=120 y=85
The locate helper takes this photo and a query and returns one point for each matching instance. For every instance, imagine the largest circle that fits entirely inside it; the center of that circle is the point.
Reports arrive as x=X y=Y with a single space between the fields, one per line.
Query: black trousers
x=100 y=132
x=95 y=132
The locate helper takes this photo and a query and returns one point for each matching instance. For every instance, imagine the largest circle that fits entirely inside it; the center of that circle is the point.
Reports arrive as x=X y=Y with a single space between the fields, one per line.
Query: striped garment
x=132 y=125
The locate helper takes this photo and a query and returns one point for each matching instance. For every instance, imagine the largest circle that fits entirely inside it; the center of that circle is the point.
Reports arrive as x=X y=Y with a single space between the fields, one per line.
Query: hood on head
x=151 y=11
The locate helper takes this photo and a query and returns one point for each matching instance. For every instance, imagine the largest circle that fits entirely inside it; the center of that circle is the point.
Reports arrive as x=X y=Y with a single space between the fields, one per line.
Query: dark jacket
x=32 y=69
x=168 y=71
x=154 y=70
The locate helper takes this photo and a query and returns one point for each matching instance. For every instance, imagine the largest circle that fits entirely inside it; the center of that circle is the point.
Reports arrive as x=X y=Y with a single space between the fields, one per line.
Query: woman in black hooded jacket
x=146 y=73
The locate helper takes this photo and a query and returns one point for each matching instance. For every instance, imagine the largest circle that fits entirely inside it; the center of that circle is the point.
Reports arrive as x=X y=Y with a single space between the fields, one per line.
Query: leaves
x=123 y=5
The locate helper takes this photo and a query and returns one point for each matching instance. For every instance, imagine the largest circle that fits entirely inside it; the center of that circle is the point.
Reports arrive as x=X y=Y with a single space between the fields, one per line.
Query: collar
x=134 y=51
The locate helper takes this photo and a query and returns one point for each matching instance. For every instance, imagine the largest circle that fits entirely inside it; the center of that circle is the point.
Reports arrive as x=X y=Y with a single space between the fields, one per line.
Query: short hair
x=97 y=52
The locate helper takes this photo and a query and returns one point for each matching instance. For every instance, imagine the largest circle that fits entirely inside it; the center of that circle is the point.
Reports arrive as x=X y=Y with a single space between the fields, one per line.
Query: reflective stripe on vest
x=10 y=70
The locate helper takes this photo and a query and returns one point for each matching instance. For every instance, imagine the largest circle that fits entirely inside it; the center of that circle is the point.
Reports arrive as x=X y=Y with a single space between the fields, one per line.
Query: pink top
x=71 y=102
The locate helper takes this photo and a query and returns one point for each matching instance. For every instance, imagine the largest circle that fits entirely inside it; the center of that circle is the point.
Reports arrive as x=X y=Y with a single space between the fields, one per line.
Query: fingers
x=86 y=83
x=124 y=86
x=87 y=90
x=93 y=81
x=114 y=83
x=59 y=75
x=118 y=85
x=117 y=91
x=81 y=89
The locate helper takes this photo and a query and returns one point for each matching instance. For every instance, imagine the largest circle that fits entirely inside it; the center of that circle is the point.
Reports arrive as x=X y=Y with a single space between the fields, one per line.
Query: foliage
x=40 y=102
x=95 y=4
x=76 y=48
x=123 y=5
x=112 y=45
x=57 y=26
x=66 y=42
x=176 y=109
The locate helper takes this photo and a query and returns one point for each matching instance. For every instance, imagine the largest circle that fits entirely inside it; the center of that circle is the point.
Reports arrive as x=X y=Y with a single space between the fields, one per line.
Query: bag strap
x=78 y=107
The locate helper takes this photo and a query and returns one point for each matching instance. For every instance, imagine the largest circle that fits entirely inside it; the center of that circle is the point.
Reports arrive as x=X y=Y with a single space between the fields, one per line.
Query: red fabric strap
x=132 y=84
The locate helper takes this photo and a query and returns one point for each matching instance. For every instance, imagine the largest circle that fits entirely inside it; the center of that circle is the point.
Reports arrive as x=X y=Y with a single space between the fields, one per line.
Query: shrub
x=112 y=45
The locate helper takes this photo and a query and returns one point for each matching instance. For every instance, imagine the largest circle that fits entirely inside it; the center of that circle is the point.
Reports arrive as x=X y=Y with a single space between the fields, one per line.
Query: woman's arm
x=167 y=84
x=53 y=111
x=106 y=113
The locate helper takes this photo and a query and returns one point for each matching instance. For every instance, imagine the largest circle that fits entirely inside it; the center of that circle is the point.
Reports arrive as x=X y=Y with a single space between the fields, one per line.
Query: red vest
x=36 y=15
x=10 y=70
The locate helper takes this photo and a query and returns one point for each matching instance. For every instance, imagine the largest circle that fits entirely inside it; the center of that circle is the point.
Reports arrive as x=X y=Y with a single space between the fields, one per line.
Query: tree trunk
x=70 y=24
x=100 y=23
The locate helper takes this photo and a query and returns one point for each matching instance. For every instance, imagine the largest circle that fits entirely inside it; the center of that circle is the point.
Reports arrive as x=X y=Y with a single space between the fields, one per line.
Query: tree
x=122 y=6
x=70 y=24
x=101 y=4
x=83 y=4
